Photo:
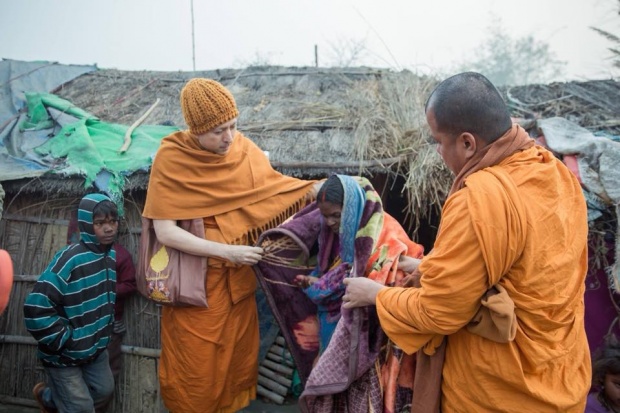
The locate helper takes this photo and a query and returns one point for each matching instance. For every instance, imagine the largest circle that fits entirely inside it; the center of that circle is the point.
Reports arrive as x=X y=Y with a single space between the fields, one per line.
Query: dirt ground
x=257 y=406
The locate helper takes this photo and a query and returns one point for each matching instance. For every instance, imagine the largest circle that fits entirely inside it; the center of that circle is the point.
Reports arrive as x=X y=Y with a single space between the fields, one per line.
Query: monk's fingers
x=257 y=250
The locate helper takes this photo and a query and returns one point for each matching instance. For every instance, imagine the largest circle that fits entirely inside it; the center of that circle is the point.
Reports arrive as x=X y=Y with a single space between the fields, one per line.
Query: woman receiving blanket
x=355 y=369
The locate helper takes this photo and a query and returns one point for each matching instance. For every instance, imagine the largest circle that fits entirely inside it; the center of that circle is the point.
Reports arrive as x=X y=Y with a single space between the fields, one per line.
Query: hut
x=311 y=121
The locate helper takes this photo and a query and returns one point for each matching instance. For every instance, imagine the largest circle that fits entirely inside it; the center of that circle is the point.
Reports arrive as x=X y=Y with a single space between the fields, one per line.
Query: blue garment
x=79 y=389
x=336 y=256
x=70 y=311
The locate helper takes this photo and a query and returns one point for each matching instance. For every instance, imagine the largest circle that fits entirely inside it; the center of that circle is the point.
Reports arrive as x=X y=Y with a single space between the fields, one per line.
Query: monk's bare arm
x=169 y=234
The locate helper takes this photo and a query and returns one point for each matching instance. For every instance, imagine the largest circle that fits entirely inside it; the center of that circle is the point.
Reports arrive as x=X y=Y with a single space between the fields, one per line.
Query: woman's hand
x=243 y=254
x=408 y=264
x=360 y=292
x=305 y=281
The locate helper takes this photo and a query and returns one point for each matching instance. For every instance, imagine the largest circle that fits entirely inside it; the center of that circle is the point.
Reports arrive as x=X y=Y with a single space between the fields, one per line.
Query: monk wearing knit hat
x=209 y=358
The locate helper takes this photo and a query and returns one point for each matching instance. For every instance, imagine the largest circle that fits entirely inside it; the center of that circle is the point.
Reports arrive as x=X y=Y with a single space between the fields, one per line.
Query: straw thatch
x=311 y=121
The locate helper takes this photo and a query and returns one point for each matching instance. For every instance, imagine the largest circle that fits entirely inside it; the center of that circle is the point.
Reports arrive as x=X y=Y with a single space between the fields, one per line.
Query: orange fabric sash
x=240 y=189
x=514 y=140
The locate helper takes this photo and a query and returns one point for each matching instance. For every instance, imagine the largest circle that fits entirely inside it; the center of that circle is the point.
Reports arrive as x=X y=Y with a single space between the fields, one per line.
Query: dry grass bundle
x=389 y=121
x=593 y=105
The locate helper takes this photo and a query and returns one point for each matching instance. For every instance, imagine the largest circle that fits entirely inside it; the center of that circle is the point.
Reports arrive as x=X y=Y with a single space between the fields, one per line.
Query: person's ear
x=468 y=144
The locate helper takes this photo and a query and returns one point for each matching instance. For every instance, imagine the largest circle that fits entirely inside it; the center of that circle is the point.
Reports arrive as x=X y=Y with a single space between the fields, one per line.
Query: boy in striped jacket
x=70 y=312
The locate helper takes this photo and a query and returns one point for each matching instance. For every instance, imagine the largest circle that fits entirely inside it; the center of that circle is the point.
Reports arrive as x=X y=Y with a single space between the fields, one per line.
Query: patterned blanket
x=360 y=370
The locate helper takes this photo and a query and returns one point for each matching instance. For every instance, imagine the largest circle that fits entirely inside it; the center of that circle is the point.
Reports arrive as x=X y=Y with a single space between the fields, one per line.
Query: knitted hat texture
x=206 y=104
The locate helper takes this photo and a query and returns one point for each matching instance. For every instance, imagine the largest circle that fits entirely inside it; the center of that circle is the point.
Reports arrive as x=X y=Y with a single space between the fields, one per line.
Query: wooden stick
x=261 y=391
x=137 y=123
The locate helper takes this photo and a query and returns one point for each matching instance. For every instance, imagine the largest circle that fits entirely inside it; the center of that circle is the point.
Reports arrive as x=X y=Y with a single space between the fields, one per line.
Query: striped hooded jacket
x=70 y=310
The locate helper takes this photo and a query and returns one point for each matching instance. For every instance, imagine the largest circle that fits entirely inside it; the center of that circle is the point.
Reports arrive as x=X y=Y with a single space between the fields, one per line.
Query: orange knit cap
x=206 y=104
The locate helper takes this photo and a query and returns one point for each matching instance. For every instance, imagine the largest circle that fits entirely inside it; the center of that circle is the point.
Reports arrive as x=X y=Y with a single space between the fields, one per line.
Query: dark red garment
x=601 y=300
x=125 y=279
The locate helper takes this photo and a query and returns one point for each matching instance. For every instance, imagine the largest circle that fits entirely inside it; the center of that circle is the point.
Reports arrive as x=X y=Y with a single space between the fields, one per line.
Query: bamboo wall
x=32 y=229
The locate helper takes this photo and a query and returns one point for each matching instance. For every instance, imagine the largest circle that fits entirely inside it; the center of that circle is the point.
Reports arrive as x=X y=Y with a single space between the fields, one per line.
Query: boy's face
x=105 y=228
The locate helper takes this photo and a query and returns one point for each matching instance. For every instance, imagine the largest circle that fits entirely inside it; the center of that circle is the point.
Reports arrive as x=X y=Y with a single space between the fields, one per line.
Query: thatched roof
x=314 y=121
x=299 y=115
x=595 y=104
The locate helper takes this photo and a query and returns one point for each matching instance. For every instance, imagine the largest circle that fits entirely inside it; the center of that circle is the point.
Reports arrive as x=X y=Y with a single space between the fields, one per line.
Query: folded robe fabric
x=240 y=189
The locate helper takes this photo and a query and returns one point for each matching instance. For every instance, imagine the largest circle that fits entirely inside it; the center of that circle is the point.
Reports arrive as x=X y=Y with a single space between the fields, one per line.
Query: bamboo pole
x=17 y=401
x=279 y=359
x=141 y=351
x=281 y=351
x=261 y=391
x=278 y=367
x=11 y=339
x=274 y=376
x=25 y=278
x=138 y=351
x=272 y=385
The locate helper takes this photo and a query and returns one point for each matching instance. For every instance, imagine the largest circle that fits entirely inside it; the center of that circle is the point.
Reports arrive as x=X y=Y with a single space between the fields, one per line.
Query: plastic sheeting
x=17 y=160
x=598 y=159
x=82 y=145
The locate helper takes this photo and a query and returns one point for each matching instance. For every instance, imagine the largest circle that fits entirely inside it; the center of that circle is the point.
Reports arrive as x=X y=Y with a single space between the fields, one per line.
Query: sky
x=430 y=36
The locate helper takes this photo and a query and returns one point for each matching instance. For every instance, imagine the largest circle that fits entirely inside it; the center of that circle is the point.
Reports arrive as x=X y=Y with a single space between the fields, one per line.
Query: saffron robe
x=547 y=366
x=209 y=360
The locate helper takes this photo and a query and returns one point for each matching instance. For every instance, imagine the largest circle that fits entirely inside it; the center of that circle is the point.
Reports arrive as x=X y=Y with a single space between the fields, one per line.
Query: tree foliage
x=615 y=41
x=514 y=61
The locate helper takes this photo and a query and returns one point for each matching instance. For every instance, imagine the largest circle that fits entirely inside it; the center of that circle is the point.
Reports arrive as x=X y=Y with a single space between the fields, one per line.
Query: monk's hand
x=411 y=280
x=360 y=292
x=244 y=255
x=311 y=195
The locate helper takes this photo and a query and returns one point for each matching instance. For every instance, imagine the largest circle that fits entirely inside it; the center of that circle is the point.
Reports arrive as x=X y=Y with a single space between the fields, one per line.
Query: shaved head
x=468 y=102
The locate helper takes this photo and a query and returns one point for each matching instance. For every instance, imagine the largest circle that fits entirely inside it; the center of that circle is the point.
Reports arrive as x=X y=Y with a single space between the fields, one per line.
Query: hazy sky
x=427 y=36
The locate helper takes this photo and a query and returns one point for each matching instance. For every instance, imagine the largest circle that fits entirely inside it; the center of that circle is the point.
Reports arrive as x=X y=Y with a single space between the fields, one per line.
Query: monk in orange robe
x=514 y=221
x=209 y=358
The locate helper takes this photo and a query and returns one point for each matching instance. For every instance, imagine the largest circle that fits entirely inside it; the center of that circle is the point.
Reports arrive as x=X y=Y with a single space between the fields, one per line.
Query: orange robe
x=209 y=358
x=543 y=238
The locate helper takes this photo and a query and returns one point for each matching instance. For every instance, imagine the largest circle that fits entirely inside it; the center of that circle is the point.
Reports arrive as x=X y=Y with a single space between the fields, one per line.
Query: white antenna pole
x=193 y=42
